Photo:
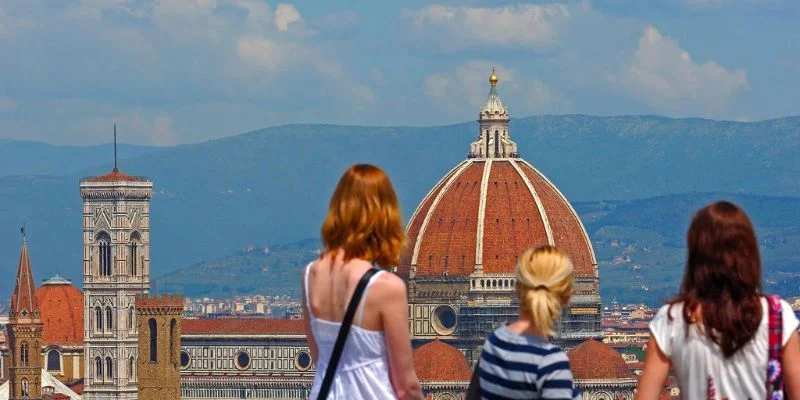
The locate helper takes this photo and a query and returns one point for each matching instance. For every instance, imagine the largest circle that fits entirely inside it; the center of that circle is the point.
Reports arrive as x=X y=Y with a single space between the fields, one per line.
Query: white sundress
x=363 y=372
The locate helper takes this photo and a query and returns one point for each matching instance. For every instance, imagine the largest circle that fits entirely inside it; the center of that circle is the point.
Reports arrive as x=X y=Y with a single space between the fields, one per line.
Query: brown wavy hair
x=363 y=218
x=722 y=282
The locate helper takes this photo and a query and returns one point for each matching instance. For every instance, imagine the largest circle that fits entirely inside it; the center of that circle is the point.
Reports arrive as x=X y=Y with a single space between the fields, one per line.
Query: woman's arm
x=312 y=345
x=394 y=316
x=656 y=369
x=791 y=367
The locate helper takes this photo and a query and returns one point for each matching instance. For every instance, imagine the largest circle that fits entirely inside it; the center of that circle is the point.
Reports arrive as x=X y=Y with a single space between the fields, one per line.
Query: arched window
x=98 y=369
x=23 y=354
x=104 y=246
x=109 y=368
x=109 y=319
x=132 y=369
x=133 y=255
x=26 y=392
x=98 y=319
x=54 y=361
x=131 y=318
x=153 y=340
x=172 y=341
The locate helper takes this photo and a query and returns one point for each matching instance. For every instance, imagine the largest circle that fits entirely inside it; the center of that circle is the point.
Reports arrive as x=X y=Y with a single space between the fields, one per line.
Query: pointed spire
x=24 y=297
x=115 y=148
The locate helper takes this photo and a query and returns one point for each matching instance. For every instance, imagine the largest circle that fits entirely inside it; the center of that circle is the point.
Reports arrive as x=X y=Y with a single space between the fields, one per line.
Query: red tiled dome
x=61 y=306
x=595 y=360
x=437 y=361
x=487 y=212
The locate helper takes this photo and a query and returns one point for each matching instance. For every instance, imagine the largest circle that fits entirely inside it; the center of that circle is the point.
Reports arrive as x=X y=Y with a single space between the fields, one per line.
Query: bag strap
x=344 y=331
x=775 y=334
x=474 y=389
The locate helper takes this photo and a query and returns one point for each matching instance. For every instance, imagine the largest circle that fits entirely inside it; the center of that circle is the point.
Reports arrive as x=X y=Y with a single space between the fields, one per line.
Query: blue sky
x=182 y=71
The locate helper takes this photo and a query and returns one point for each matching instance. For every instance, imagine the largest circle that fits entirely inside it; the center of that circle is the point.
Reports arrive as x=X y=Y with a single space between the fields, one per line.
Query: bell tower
x=116 y=270
x=24 y=334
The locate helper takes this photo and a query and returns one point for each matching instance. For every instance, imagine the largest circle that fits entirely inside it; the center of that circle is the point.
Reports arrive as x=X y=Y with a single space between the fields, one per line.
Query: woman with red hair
x=722 y=337
x=363 y=228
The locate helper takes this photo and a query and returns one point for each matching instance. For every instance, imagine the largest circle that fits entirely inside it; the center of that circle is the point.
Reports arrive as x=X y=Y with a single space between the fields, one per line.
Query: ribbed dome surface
x=61 y=306
x=596 y=360
x=437 y=361
x=486 y=212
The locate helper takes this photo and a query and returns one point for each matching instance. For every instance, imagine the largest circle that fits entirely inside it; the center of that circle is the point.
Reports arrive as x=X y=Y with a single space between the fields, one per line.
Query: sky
x=183 y=71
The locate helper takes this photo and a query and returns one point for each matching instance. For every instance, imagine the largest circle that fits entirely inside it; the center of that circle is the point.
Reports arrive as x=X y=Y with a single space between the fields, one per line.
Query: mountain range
x=271 y=186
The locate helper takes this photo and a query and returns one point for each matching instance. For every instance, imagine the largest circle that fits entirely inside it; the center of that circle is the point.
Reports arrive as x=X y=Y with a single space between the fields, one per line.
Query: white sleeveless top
x=363 y=371
x=702 y=370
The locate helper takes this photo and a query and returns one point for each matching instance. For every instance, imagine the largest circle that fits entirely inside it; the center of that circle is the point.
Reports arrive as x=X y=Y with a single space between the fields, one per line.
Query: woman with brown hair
x=362 y=228
x=722 y=337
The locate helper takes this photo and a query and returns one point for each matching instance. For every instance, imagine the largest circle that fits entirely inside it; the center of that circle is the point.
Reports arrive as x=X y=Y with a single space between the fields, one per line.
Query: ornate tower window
x=98 y=319
x=104 y=246
x=153 y=340
x=23 y=354
x=132 y=368
x=54 y=361
x=109 y=319
x=131 y=318
x=133 y=254
x=98 y=369
x=109 y=369
x=26 y=392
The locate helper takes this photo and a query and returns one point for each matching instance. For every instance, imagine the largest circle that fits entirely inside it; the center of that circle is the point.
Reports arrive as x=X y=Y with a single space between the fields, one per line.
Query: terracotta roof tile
x=234 y=326
x=594 y=360
x=115 y=176
x=61 y=307
x=512 y=222
x=437 y=361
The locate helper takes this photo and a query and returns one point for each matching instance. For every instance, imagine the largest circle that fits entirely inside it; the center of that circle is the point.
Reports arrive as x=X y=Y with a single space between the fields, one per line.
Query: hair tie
x=541 y=287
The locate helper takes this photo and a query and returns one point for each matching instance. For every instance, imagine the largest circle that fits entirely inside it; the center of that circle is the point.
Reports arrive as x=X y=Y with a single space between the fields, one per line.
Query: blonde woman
x=518 y=361
x=363 y=228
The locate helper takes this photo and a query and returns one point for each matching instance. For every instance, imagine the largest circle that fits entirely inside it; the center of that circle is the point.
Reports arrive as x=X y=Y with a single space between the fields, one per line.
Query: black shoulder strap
x=344 y=330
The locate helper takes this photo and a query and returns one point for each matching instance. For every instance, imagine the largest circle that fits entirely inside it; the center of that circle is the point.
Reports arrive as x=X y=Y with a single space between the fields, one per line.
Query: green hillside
x=639 y=246
x=272 y=185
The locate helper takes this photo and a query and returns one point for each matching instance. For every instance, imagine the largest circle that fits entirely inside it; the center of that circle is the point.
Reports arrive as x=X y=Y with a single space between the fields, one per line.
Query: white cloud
x=262 y=52
x=286 y=14
x=464 y=90
x=665 y=76
x=521 y=25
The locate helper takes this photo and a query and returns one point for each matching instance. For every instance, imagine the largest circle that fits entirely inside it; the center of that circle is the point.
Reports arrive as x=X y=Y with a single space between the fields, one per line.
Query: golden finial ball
x=493 y=78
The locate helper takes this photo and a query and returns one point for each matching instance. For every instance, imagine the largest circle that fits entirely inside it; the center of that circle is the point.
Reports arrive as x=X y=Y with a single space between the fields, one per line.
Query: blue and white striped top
x=518 y=366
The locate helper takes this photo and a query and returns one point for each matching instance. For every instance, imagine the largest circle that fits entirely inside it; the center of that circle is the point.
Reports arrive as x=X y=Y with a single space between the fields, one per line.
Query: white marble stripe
x=427 y=196
x=574 y=213
x=545 y=221
x=432 y=208
x=487 y=169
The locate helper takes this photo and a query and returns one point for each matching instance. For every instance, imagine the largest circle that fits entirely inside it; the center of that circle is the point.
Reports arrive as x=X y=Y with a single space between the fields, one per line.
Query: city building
x=116 y=270
x=157 y=372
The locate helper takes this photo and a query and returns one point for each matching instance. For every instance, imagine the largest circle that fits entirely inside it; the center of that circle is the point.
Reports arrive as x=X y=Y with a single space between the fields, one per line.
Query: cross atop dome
x=493 y=140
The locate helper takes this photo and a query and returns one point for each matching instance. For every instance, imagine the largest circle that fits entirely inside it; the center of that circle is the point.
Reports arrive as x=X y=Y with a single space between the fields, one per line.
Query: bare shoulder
x=391 y=284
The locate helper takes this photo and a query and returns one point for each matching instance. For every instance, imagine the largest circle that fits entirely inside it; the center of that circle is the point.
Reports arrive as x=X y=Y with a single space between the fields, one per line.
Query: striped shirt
x=518 y=366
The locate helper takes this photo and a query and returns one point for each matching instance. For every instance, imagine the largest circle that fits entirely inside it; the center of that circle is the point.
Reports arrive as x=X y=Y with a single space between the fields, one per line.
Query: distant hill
x=18 y=157
x=639 y=246
x=272 y=185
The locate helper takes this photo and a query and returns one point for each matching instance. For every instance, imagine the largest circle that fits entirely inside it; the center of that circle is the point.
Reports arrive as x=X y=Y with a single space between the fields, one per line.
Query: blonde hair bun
x=544 y=278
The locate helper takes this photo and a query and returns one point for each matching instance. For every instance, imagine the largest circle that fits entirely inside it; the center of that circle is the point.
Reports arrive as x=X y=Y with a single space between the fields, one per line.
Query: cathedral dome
x=483 y=214
x=61 y=306
x=489 y=209
x=437 y=361
x=593 y=360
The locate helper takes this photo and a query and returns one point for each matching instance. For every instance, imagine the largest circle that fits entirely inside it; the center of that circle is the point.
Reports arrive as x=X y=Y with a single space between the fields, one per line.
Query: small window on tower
x=53 y=361
x=104 y=250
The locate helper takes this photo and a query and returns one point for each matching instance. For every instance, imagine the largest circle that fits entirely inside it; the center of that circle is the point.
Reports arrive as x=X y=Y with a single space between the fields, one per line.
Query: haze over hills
x=639 y=246
x=272 y=186
x=18 y=157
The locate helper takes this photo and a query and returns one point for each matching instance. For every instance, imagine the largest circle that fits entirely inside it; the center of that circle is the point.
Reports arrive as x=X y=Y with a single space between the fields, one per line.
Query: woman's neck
x=525 y=326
